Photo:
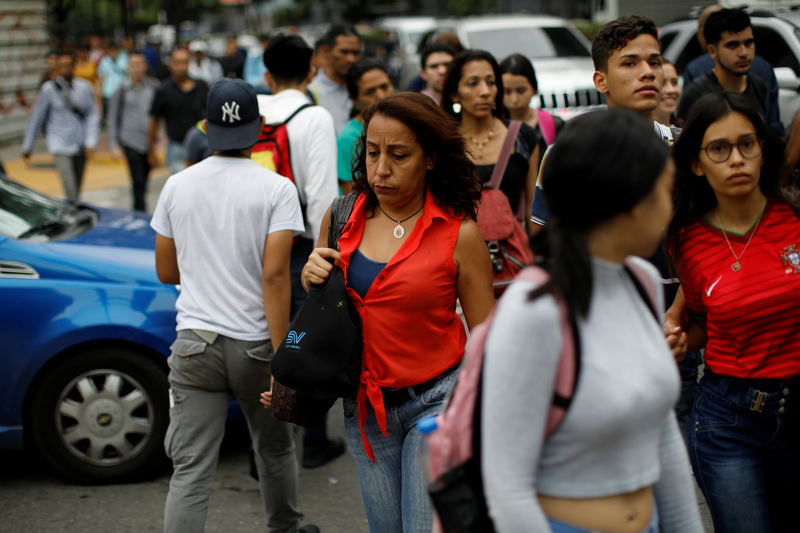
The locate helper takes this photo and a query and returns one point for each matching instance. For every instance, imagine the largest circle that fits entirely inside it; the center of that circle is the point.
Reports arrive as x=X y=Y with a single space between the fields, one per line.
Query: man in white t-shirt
x=224 y=233
x=312 y=150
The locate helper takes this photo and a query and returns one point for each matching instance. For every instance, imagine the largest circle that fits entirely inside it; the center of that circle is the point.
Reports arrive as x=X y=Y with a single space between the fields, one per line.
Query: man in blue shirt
x=66 y=108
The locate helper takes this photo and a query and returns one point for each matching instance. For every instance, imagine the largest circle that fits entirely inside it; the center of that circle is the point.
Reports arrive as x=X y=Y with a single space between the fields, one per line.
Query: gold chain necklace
x=398 y=230
x=736 y=266
x=479 y=144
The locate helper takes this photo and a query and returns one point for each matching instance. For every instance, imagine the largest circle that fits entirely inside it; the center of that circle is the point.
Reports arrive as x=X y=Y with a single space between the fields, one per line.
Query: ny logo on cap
x=230 y=110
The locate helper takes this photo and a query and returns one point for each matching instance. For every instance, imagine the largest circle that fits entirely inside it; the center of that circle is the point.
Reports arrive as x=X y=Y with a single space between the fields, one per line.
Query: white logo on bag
x=230 y=110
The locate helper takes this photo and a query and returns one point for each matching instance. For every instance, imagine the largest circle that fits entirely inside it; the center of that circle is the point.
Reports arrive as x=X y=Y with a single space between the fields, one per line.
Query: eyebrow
x=391 y=146
x=636 y=56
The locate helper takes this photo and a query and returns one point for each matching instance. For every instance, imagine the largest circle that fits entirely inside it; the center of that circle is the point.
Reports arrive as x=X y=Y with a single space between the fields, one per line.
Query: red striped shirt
x=753 y=316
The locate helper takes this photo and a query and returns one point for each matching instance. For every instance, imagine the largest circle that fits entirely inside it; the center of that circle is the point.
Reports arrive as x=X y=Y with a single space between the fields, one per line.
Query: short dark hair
x=452 y=181
x=519 y=65
x=585 y=183
x=432 y=49
x=616 y=34
x=338 y=30
x=288 y=58
x=360 y=68
x=732 y=20
x=693 y=195
x=66 y=52
x=454 y=76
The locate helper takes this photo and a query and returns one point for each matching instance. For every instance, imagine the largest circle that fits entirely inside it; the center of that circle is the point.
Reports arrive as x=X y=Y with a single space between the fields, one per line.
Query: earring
x=456 y=108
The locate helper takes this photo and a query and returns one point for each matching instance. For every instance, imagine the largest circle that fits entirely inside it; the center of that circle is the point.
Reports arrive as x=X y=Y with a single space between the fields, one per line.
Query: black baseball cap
x=232 y=114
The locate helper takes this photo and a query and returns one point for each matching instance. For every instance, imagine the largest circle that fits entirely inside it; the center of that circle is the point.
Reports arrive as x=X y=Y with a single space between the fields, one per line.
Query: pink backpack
x=454 y=447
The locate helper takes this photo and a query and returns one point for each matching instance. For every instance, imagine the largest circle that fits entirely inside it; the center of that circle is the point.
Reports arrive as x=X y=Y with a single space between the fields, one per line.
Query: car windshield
x=534 y=42
x=25 y=213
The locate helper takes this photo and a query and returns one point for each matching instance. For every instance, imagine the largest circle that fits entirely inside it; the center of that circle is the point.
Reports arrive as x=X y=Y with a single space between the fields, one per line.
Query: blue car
x=85 y=329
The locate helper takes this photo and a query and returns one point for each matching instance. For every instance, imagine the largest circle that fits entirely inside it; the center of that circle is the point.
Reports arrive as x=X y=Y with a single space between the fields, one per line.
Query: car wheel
x=101 y=416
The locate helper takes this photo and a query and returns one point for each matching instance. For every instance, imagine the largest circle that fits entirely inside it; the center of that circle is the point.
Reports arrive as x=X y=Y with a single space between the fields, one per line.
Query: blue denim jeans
x=745 y=452
x=562 y=527
x=176 y=157
x=394 y=487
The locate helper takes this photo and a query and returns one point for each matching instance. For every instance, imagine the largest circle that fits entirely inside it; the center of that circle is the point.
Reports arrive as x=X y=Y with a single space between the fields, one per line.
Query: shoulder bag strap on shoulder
x=341 y=208
x=644 y=286
x=296 y=111
x=505 y=154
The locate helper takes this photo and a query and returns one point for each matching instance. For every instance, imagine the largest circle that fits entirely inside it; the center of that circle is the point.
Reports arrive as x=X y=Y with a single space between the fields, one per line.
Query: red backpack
x=272 y=147
x=454 y=448
x=502 y=231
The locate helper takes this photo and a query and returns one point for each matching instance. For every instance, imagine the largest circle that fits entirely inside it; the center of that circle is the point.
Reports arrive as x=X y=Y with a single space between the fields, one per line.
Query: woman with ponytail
x=617 y=461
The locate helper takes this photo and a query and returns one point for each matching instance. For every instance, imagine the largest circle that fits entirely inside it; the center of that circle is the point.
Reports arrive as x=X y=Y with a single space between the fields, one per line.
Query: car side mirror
x=787 y=79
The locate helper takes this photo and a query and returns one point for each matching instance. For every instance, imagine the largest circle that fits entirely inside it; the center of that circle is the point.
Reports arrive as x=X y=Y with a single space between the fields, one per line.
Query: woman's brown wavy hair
x=452 y=180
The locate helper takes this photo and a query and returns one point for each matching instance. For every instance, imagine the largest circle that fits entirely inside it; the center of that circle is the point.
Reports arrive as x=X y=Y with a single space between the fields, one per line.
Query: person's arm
x=92 y=125
x=674 y=492
x=113 y=122
x=318 y=156
x=167 y=260
x=522 y=354
x=151 y=141
x=474 y=274
x=38 y=116
x=530 y=190
x=684 y=332
x=276 y=284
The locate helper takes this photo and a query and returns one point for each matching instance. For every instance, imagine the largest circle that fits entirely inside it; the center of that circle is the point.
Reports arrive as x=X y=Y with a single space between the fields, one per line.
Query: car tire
x=101 y=416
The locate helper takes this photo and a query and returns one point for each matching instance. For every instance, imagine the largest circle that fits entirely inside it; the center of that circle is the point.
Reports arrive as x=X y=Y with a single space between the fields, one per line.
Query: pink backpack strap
x=502 y=160
x=547 y=125
x=568 y=364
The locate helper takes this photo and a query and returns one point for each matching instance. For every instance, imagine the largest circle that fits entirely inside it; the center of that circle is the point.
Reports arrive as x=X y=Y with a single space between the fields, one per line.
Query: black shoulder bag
x=320 y=359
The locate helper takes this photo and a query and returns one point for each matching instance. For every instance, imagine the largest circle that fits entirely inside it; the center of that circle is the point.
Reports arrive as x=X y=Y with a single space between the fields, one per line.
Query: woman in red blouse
x=410 y=248
x=736 y=242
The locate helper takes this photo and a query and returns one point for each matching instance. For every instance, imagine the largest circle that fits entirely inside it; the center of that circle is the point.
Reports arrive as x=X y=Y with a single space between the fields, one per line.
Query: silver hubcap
x=104 y=417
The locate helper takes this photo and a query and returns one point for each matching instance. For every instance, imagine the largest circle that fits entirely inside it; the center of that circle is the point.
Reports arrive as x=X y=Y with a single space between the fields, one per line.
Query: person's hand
x=676 y=339
x=88 y=152
x=26 y=157
x=318 y=268
x=151 y=159
x=266 y=397
x=116 y=153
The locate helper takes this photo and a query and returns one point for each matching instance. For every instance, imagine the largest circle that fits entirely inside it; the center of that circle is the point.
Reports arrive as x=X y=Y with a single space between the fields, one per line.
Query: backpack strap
x=296 y=111
x=341 y=208
x=505 y=154
x=569 y=363
x=644 y=286
x=547 y=125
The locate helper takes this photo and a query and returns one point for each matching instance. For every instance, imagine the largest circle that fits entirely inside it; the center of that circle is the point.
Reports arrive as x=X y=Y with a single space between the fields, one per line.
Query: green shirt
x=346 y=150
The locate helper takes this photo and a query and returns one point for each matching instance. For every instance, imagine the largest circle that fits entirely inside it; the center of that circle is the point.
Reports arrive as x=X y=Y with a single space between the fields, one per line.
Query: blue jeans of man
x=203 y=376
x=745 y=451
x=176 y=157
x=394 y=487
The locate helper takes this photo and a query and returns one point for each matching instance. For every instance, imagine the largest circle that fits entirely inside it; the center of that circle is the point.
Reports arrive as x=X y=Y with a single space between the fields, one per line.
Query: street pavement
x=34 y=499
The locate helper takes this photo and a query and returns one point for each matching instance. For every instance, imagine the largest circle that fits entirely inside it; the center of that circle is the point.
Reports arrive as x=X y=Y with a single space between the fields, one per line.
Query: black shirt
x=180 y=109
x=514 y=179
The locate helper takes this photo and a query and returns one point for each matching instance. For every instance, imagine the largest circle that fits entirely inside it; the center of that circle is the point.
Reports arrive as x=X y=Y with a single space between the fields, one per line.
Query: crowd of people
x=693 y=178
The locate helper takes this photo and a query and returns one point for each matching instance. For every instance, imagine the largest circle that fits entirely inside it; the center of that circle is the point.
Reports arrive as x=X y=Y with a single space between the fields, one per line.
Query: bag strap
x=341 y=208
x=644 y=286
x=296 y=111
x=569 y=362
x=505 y=154
x=547 y=125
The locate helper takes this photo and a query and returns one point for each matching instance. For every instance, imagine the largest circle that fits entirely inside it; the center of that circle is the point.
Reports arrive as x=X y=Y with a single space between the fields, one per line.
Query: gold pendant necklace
x=398 y=230
x=480 y=144
x=737 y=266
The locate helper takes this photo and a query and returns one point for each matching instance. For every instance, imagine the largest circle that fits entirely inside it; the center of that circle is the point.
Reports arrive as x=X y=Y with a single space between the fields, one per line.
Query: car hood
x=564 y=74
x=120 y=248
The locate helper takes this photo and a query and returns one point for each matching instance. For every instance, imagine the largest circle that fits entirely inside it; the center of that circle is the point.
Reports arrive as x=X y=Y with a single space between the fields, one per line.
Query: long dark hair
x=519 y=65
x=694 y=197
x=452 y=181
x=604 y=164
x=454 y=73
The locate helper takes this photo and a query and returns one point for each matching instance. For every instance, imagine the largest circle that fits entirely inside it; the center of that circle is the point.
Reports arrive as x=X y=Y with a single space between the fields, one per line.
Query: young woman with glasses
x=736 y=243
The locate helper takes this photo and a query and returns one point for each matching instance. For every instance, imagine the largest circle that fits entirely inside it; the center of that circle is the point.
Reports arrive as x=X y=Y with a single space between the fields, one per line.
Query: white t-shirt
x=312 y=149
x=219 y=213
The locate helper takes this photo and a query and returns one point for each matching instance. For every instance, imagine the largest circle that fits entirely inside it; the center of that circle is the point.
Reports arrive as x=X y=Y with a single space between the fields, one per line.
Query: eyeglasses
x=720 y=151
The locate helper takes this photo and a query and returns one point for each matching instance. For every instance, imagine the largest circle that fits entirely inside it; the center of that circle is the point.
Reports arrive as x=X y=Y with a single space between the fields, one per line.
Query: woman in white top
x=617 y=462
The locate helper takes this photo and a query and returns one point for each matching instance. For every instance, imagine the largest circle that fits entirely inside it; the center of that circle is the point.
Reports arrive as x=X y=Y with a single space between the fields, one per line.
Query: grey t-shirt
x=333 y=97
x=620 y=433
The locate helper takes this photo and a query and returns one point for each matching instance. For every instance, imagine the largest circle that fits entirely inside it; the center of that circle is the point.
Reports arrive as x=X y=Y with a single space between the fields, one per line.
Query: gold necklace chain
x=479 y=144
x=736 y=266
